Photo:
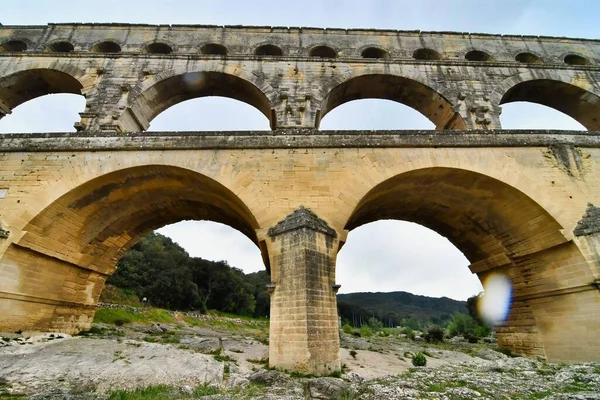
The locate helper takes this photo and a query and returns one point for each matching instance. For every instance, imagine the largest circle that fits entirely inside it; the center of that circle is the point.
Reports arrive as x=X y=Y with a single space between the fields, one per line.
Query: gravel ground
x=55 y=366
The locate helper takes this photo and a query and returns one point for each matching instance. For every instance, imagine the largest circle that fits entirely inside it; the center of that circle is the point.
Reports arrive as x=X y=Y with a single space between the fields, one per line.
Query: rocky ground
x=222 y=358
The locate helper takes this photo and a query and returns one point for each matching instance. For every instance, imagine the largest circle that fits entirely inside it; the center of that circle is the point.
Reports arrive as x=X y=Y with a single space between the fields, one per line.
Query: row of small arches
x=425 y=54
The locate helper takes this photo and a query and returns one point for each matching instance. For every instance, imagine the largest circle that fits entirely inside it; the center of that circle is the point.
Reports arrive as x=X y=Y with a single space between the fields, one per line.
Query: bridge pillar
x=40 y=292
x=304 y=334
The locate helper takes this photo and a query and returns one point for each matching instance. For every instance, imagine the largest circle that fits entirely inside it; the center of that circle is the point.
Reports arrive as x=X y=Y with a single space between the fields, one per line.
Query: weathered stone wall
x=457 y=80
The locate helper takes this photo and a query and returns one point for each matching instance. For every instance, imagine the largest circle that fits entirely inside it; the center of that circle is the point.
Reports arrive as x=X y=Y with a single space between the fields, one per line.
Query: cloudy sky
x=382 y=256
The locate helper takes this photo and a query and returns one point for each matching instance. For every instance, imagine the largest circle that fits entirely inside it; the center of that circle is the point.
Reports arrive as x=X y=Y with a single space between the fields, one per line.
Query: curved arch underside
x=176 y=89
x=483 y=217
x=572 y=100
x=23 y=86
x=396 y=88
x=99 y=220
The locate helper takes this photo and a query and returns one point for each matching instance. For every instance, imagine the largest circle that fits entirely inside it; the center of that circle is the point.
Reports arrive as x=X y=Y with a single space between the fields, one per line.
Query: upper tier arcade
x=294 y=76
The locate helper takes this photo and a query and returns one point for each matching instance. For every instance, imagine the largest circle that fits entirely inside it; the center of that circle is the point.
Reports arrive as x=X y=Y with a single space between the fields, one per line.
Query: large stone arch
x=500 y=230
x=574 y=93
x=407 y=89
x=26 y=82
x=66 y=252
x=165 y=89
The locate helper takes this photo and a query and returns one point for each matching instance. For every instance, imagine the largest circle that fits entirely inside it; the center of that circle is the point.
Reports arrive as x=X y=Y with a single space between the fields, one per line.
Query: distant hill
x=398 y=308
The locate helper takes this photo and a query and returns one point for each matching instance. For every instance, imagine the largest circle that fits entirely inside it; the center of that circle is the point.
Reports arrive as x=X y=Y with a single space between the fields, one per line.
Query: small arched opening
x=61 y=47
x=375 y=53
x=13 y=46
x=426 y=54
x=322 y=52
x=106 y=47
x=158 y=48
x=575 y=59
x=214 y=49
x=528 y=58
x=478 y=55
x=268 y=50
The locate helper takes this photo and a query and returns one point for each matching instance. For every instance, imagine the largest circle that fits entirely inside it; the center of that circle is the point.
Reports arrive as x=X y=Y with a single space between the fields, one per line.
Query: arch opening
x=194 y=265
x=101 y=219
x=480 y=215
x=502 y=232
x=578 y=103
x=106 y=47
x=478 y=55
x=374 y=114
x=191 y=85
x=426 y=54
x=214 y=49
x=403 y=256
x=268 y=50
x=158 y=48
x=49 y=113
x=210 y=114
x=322 y=52
x=61 y=47
x=399 y=89
x=14 y=46
x=524 y=115
x=76 y=241
x=375 y=53
x=26 y=85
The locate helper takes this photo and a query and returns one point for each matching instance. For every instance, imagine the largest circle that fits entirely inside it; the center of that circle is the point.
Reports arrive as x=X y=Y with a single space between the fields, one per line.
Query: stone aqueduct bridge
x=521 y=203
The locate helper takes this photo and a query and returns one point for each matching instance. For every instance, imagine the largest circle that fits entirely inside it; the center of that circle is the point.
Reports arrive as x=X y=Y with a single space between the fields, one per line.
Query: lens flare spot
x=496 y=301
x=194 y=80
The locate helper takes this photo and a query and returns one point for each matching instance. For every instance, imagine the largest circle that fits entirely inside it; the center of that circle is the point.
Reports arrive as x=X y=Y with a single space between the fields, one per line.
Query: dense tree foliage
x=160 y=270
x=398 y=309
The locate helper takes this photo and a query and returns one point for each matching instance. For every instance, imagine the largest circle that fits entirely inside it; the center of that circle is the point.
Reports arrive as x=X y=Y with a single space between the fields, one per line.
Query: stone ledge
x=302 y=218
x=290 y=29
x=291 y=138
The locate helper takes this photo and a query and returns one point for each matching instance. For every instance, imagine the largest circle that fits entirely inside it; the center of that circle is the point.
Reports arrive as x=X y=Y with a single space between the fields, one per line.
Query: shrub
x=366 y=331
x=419 y=360
x=409 y=333
x=353 y=353
x=434 y=335
x=483 y=331
x=375 y=324
x=347 y=329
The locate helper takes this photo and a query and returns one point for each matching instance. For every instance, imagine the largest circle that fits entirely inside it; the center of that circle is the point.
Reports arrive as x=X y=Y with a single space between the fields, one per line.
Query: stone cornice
x=290 y=138
x=302 y=218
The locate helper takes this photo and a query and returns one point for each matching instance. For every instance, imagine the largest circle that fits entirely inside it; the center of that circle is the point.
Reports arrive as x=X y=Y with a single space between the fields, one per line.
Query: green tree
x=375 y=324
